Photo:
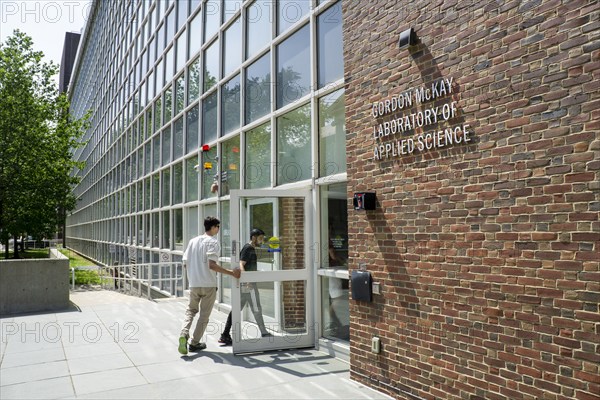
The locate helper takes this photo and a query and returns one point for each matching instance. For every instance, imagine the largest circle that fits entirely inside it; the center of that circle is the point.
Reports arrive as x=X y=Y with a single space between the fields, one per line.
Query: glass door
x=272 y=307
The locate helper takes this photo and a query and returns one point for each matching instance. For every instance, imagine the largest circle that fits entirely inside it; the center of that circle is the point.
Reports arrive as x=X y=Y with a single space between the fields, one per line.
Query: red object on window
x=205 y=147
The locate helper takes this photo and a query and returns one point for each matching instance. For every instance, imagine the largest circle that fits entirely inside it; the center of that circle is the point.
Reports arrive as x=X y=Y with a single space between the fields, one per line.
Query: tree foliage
x=37 y=138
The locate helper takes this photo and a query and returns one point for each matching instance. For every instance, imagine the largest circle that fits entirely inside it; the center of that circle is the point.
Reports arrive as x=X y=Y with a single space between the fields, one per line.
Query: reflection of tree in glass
x=180 y=94
x=294 y=127
x=231 y=105
x=258 y=96
x=258 y=157
x=289 y=88
x=209 y=80
x=194 y=81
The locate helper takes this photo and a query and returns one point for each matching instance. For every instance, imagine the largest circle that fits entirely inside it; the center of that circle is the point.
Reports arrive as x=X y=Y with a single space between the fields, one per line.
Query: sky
x=46 y=21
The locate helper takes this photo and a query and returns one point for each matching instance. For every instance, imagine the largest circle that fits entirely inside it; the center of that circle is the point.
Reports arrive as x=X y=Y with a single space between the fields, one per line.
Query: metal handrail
x=129 y=276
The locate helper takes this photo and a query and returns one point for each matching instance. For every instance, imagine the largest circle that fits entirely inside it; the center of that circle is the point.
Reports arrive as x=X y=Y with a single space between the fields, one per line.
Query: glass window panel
x=330 y=45
x=259 y=32
x=156 y=152
x=230 y=7
x=169 y=67
x=258 y=89
x=230 y=109
x=168 y=104
x=178 y=139
x=181 y=51
x=293 y=68
x=156 y=190
x=289 y=12
x=166 y=146
x=212 y=18
x=335 y=310
x=178 y=228
x=192 y=129
x=166 y=242
x=258 y=157
x=209 y=118
x=195 y=32
x=166 y=188
x=225 y=230
x=230 y=165
x=209 y=173
x=192 y=227
x=332 y=134
x=334 y=226
x=191 y=173
x=178 y=183
x=294 y=146
x=182 y=13
x=155 y=229
x=170 y=26
x=151 y=88
x=232 y=51
x=157 y=114
x=179 y=94
x=211 y=65
x=148 y=158
x=160 y=76
x=194 y=81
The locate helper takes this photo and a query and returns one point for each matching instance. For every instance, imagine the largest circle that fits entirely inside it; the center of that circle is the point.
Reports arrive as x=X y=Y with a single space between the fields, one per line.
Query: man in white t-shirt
x=200 y=260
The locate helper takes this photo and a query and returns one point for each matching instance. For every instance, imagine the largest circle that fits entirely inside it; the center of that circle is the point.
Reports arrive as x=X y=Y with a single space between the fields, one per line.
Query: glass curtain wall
x=194 y=98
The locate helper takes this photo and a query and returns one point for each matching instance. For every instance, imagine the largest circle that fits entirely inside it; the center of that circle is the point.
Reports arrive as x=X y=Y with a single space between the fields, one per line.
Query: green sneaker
x=183 y=348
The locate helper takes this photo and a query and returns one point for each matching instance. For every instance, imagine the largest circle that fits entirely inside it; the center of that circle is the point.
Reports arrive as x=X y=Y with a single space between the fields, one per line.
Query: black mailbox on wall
x=364 y=201
x=361 y=286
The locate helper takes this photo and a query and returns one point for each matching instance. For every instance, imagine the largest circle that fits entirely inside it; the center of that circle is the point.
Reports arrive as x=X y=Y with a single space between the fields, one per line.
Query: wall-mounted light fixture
x=407 y=38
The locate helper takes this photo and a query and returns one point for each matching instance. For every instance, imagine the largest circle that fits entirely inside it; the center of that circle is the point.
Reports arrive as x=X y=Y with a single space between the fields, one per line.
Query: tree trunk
x=16 y=244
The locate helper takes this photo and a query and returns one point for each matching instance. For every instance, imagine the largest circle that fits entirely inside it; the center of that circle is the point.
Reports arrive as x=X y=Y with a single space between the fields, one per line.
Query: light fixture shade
x=407 y=38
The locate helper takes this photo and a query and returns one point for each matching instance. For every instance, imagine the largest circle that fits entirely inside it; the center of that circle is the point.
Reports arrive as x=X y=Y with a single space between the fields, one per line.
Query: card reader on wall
x=364 y=201
x=362 y=286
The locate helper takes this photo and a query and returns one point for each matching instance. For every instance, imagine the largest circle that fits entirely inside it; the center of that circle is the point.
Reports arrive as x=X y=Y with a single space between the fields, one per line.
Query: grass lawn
x=75 y=260
x=30 y=253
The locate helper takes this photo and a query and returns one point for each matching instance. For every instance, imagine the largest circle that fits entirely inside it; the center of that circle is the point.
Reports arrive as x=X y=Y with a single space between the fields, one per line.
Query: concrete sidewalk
x=114 y=346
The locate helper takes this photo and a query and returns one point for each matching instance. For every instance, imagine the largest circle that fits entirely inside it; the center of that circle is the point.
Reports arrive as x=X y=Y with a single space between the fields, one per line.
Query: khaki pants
x=205 y=297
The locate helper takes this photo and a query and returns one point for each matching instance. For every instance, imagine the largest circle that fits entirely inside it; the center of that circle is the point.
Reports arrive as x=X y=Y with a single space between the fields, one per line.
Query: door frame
x=238 y=237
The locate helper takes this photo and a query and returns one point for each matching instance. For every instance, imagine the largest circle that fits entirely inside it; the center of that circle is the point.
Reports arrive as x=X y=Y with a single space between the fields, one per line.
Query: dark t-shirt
x=248 y=254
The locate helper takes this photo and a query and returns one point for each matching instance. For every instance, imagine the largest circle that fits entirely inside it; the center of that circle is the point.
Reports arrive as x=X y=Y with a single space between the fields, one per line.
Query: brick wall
x=487 y=251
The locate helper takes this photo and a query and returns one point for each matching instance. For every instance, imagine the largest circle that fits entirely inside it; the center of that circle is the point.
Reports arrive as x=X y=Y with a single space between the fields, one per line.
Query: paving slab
x=113 y=346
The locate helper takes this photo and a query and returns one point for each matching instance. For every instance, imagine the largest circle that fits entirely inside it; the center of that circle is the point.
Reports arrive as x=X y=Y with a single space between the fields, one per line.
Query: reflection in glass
x=211 y=65
x=166 y=242
x=334 y=226
x=177 y=183
x=258 y=157
x=192 y=129
x=156 y=152
x=178 y=228
x=259 y=32
x=294 y=146
x=289 y=12
x=230 y=166
x=156 y=190
x=181 y=51
x=293 y=67
x=330 y=45
x=155 y=229
x=178 y=138
x=232 y=52
x=335 y=311
x=230 y=7
x=168 y=103
x=166 y=188
x=166 y=146
x=195 y=32
x=194 y=81
x=230 y=108
x=332 y=134
x=212 y=18
x=179 y=93
x=191 y=179
x=258 y=89
x=208 y=169
x=209 y=118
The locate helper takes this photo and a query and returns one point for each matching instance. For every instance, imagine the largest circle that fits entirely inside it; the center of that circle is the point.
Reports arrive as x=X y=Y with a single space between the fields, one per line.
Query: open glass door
x=272 y=307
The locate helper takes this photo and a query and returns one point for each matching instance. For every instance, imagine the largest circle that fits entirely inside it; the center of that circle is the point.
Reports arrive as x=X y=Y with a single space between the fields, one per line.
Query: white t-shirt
x=199 y=250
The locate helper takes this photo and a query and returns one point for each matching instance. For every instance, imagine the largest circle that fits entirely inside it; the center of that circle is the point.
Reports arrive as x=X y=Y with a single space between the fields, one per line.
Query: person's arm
x=242 y=265
x=217 y=268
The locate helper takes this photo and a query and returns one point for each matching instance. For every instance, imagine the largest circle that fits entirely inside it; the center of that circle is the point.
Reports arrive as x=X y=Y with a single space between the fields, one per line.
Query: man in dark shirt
x=249 y=291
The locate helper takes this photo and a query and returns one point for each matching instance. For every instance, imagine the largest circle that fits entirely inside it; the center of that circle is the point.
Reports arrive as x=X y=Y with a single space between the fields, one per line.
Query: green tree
x=37 y=138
